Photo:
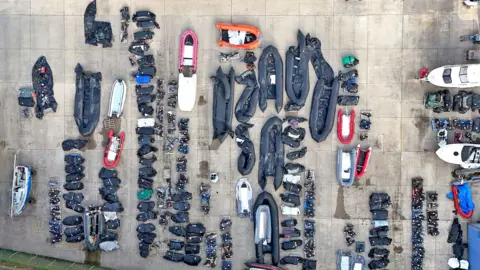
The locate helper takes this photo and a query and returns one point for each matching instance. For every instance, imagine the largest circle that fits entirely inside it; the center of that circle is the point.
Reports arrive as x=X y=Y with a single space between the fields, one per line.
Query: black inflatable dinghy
x=270 y=78
x=87 y=100
x=223 y=104
x=247 y=103
x=246 y=160
x=271 y=153
x=325 y=93
x=266 y=228
x=296 y=74
x=42 y=79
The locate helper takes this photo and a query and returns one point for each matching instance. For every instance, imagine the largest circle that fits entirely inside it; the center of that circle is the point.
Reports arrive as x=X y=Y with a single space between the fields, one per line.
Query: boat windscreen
x=466 y=152
x=447 y=75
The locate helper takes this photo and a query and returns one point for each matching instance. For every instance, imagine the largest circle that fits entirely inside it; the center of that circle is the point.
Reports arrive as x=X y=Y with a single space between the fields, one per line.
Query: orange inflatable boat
x=238 y=36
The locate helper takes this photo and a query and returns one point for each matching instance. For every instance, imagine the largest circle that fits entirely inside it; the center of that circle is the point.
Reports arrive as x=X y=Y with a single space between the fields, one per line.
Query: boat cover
x=42 y=79
x=325 y=93
x=462 y=198
x=96 y=32
x=270 y=78
x=87 y=100
x=271 y=153
x=246 y=160
x=247 y=103
x=296 y=74
x=223 y=104
x=267 y=199
x=346 y=167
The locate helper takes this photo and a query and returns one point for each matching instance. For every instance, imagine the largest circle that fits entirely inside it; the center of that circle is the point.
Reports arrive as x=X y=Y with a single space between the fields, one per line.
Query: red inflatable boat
x=240 y=36
x=113 y=149
x=361 y=162
x=345 y=127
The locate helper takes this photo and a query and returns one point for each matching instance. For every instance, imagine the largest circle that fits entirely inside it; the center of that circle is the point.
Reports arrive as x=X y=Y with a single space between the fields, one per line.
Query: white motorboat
x=463 y=154
x=244 y=198
x=21 y=187
x=346 y=166
x=455 y=76
x=117 y=98
x=187 y=68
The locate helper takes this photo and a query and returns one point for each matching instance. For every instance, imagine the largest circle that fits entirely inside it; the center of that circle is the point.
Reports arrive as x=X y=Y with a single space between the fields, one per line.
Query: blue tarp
x=464 y=198
x=142 y=79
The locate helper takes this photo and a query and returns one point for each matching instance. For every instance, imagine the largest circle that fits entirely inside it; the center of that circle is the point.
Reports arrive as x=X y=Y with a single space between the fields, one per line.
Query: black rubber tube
x=271 y=160
x=222 y=104
x=322 y=113
x=296 y=72
x=87 y=100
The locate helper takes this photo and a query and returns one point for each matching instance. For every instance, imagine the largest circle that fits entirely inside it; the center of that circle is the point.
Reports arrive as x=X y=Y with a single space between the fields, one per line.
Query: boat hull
x=244 y=198
x=239 y=27
x=187 y=92
x=345 y=126
x=346 y=167
x=362 y=160
x=20 y=191
x=452 y=153
x=117 y=98
x=436 y=76
x=113 y=149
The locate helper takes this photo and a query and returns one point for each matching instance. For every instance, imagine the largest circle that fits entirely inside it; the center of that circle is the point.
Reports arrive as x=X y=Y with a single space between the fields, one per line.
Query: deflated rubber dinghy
x=240 y=36
x=117 y=98
x=42 y=79
x=271 y=153
x=223 y=104
x=246 y=160
x=96 y=32
x=266 y=228
x=87 y=100
x=270 y=78
x=346 y=167
x=466 y=155
x=362 y=160
x=244 y=198
x=345 y=126
x=296 y=74
x=325 y=93
x=247 y=103
x=187 y=68
x=113 y=149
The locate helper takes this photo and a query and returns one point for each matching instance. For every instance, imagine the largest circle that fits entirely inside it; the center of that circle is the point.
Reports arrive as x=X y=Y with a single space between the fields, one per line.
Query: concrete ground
x=393 y=40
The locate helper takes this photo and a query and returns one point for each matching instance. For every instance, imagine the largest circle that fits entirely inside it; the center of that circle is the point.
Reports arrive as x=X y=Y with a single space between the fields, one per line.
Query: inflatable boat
x=246 y=159
x=239 y=36
x=266 y=228
x=87 y=100
x=223 y=104
x=113 y=149
x=187 y=68
x=247 y=103
x=455 y=76
x=244 y=198
x=345 y=126
x=346 y=167
x=117 y=98
x=21 y=187
x=42 y=79
x=361 y=162
x=463 y=154
x=322 y=112
x=325 y=93
x=270 y=78
x=296 y=74
x=93 y=226
x=271 y=153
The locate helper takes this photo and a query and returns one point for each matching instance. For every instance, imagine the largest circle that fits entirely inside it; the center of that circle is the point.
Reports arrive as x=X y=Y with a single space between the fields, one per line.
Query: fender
x=361 y=162
x=117 y=144
x=341 y=127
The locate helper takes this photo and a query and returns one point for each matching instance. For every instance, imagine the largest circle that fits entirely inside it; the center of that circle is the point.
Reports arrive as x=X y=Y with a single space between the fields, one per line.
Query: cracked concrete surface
x=393 y=40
